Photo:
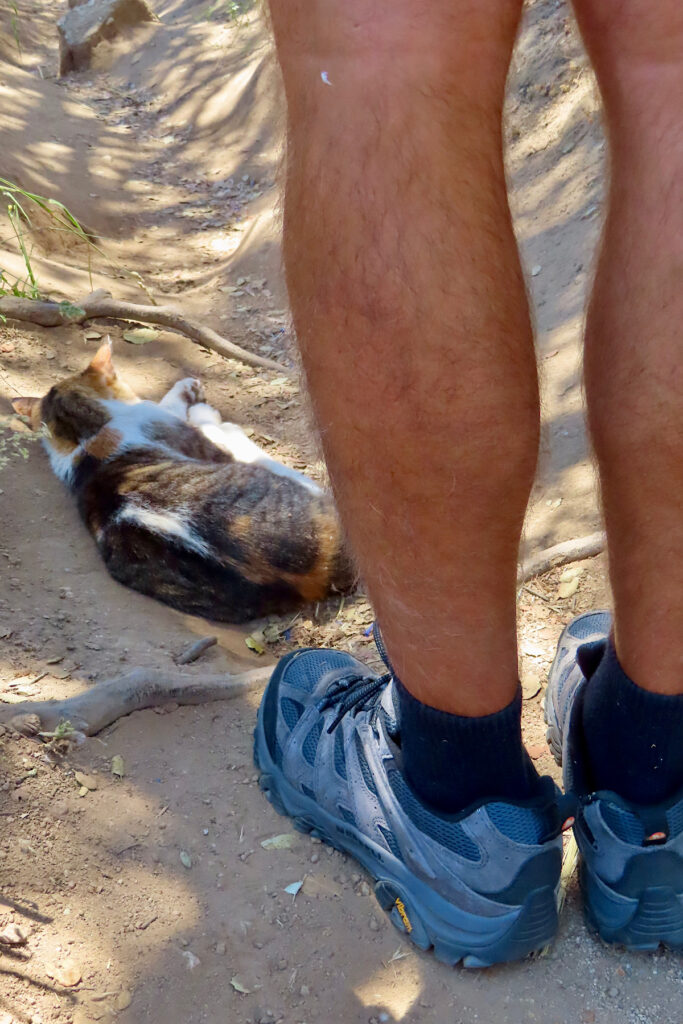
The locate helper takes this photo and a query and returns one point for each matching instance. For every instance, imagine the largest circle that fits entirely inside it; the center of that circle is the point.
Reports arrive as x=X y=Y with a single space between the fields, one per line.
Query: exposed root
x=104 y=703
x=560 y=554
x=101 y=304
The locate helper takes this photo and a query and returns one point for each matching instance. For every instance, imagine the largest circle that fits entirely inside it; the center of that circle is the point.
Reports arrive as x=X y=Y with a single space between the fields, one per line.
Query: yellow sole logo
x=400 y=906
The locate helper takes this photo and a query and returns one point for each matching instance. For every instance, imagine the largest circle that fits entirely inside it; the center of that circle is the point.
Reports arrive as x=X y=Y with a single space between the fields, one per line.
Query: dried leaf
x=88 y=781
x=92 y=335
x=185 y=859
x=118 y=767
x=141 y=335
x=123 y=1000
x=239 y=986
x=530 y=687
x=284 y=841
x=293 y=888
x=256 y=642
x=569 y=588
x=83 y=791
x=570 y=573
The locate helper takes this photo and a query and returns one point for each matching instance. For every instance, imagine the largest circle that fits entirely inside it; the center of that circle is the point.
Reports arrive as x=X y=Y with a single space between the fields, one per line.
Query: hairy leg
x=412 y=318
x=634 y=331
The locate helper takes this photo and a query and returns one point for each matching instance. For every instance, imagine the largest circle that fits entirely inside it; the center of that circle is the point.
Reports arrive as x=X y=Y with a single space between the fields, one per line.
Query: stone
x=85 y=25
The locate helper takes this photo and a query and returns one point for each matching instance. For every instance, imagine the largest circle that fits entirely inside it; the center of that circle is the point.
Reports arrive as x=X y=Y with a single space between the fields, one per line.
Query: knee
x=391 y=38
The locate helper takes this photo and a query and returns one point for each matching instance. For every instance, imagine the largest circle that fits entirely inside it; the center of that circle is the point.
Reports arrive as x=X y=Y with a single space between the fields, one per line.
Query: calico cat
x=186 y=508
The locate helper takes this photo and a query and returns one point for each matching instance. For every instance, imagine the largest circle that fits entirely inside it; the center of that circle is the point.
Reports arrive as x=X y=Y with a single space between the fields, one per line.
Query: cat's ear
x=102 y=362
x=27 y=407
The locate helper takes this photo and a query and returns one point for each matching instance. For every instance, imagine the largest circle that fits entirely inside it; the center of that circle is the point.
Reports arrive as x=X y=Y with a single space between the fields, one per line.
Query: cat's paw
x=191 y=391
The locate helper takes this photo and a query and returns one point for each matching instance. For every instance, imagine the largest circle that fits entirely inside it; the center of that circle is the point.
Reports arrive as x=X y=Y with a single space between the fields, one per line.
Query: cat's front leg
x=182 y=396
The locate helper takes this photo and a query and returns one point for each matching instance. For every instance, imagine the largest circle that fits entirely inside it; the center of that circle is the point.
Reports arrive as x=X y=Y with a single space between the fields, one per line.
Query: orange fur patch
x=104 y=444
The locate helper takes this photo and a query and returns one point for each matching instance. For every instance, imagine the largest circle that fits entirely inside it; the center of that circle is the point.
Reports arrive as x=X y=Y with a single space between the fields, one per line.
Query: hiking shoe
x=631 y=867
x=478 y=886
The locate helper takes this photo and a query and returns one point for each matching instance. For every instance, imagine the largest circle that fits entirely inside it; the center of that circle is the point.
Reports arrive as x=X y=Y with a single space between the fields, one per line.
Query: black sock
x=634 y=738
x=451 y=761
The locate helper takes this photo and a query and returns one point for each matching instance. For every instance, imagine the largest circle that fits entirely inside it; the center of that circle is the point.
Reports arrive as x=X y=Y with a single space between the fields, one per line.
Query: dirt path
x=153 y=893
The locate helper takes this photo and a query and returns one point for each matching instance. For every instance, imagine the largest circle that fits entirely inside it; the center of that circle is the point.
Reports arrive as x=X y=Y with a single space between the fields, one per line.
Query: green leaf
x=239 y=986
x=284 y=841
x=118 y=767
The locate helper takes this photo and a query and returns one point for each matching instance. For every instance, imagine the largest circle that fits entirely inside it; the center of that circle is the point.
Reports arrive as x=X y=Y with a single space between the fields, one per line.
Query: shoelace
x=355 y=692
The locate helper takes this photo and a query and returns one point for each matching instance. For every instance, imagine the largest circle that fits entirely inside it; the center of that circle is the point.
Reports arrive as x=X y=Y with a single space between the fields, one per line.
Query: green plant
x=19 y=201
x=14 y=19
x=234 y=9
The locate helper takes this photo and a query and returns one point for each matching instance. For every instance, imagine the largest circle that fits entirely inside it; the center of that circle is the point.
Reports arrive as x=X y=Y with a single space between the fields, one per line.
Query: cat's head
x=73 y=410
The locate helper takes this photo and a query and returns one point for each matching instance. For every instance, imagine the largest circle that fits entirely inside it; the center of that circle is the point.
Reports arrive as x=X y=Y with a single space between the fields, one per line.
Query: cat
x=186 y=508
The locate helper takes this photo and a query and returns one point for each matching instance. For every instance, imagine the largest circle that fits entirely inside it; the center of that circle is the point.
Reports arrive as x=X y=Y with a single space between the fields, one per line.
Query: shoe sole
x=642 y=923
x=414 y=908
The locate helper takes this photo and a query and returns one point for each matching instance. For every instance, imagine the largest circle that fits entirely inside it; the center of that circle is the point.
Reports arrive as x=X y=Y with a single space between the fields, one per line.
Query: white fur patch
x=230 y=437
x=133 y=421
x=167 y=524
x=63 y=465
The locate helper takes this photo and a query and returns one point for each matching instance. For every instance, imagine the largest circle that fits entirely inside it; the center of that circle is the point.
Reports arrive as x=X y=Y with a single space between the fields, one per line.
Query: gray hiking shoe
x=479 y=886
x=631 y=867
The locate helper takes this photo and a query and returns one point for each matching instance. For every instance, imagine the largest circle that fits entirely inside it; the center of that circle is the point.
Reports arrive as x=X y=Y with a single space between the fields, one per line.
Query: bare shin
x=411 y=313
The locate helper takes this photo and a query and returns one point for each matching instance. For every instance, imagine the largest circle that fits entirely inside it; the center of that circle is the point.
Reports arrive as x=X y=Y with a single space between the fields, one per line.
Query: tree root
x=101 y=304
x=560 y=554
x=104 y=703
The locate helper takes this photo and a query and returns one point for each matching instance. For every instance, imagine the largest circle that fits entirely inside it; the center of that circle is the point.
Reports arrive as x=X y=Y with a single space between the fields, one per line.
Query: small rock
x=221 y=948
x=304 y=990
x=374 y=924
x=67 y=974
x=364 y=889
x=613 y=992
x=191 y=960
x=315 y=857
x=588 y=1017
x=13 y=935
x=536 y=270
x=282 y=965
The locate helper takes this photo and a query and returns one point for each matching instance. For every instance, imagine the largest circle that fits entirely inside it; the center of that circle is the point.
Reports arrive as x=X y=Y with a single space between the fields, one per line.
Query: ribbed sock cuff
x=452 y=761
x=634 y=738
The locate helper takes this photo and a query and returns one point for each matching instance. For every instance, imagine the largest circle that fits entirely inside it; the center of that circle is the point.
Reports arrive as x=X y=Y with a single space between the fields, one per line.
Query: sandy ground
x=151 y=897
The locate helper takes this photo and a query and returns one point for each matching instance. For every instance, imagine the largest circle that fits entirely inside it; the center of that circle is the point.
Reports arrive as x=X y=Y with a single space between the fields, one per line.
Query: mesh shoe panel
x=626 y=826
x=448 y=833
x=310 y=744
x=309 y=670
x=589 y=626
x=521 y=824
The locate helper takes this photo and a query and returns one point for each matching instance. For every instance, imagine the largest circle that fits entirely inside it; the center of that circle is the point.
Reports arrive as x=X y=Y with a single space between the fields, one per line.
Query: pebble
x=315 y=857
x=221 y=948
x=613 y=992
x=364 y=889
x=355 y=878
x=304 y=990
x=282 y=965
x=374 y=924
x=191 y=960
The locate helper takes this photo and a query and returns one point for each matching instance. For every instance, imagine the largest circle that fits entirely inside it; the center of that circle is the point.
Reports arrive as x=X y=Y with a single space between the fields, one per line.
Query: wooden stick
x=195 y=650
x=103 y=704
x=101 y=304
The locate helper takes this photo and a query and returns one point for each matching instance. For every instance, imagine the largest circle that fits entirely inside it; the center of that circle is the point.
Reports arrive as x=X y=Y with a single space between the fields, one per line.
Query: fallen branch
x=104 y=703
x=560 y=554
x=100 y=303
